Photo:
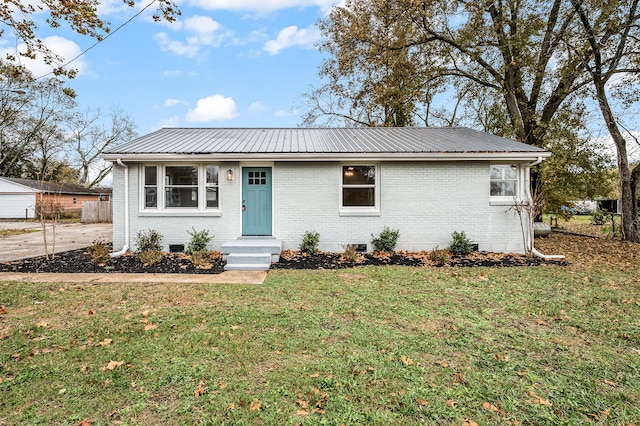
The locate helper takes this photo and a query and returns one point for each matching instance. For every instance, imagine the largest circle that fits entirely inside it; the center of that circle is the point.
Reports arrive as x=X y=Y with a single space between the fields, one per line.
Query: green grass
x=11 y=231
x=545 y=345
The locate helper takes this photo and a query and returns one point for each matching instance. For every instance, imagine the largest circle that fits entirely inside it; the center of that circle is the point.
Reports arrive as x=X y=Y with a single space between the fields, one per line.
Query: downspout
x=527 y=189
x=125 y=248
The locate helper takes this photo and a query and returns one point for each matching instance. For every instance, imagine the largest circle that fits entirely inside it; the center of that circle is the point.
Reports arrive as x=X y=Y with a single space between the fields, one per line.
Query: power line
x=100 y=41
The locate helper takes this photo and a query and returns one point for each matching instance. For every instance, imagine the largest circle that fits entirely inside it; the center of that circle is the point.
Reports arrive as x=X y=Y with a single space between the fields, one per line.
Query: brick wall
x=426 y=201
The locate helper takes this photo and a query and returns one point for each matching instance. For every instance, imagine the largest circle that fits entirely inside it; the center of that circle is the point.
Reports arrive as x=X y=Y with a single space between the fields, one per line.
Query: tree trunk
x=628 y=203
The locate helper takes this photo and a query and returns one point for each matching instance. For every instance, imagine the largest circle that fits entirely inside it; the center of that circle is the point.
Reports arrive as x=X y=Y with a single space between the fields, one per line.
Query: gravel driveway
x=69 y=236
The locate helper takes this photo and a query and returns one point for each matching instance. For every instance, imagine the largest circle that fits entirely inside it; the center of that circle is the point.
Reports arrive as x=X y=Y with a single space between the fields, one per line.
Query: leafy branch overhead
x=81 y=16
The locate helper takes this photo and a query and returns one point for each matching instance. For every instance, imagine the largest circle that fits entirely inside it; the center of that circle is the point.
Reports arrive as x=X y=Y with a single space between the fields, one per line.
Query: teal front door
x=256 y=201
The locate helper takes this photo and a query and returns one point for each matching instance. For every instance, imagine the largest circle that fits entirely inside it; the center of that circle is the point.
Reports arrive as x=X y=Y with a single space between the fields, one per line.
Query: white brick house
x=345 y=184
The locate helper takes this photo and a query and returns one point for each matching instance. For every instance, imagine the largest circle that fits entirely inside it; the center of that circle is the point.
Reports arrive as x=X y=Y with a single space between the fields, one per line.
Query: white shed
x=16 y=201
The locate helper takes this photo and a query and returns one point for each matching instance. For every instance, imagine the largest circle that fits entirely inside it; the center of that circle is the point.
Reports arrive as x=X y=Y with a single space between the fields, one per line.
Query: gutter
x=530 y=198
x=125 y=248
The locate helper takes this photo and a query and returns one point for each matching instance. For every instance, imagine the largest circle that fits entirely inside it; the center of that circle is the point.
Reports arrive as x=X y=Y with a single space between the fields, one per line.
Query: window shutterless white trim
x=372 y=210
x=504 y=178
x=160 y=207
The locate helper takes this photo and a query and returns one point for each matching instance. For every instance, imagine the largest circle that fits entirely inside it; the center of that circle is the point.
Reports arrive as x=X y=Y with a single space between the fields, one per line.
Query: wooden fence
x=97 y=211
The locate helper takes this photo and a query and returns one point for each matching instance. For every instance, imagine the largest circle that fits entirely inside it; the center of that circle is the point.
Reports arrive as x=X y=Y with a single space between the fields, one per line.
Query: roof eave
x=377 y=156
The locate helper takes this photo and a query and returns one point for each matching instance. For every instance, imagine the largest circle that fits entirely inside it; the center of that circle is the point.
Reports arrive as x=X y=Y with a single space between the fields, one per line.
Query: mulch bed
x=77 y=261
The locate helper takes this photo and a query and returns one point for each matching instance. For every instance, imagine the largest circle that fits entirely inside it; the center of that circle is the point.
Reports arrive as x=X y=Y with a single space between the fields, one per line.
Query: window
x=504 y=179
x=175 y=187
x=150 y=187
x=212 y=186
x=359 y=190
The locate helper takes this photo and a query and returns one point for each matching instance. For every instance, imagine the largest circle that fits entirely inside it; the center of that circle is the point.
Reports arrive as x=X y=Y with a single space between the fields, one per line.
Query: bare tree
x=89 y=138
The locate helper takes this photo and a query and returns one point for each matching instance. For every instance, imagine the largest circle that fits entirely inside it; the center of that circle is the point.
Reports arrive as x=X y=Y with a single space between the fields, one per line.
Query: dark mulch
x=177 y=263
x=297 y=260
x=75 y=261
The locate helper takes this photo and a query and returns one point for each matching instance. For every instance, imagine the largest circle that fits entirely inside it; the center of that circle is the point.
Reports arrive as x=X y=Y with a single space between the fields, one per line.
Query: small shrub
x=386 y=241
x=151 y=257
x=461 y=245
x=600 y=216
x=199 y=241
x=351 y=254
x=100 y=252
x=149 y=240
x=149 y=246
x=439 y=256
x=201 y=259
x=310 y=241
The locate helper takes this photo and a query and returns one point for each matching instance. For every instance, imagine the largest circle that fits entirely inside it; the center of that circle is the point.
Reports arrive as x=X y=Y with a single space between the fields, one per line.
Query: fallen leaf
x=2 y=310
x=314 y=375
x=405 y=360
x=90 y=312
x=537 y=399
x=422 y=402
x=222 y=385
x=150 y=327
x=452 y=403
x=42 y=324
x=302 y=412
x=113 y=364
x=84 y=423
x=467 y=422
x=105 y=342
x=490 y=407
x=540 y=322
x=255 y=405
x=232 y=406
x=611 y=383
x=442 y=364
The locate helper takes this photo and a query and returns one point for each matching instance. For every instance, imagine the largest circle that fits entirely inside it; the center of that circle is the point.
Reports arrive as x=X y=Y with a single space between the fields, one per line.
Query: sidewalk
x=227 y=277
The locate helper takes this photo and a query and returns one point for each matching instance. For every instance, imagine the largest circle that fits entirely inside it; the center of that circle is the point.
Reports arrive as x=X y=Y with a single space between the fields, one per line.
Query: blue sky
x=223 y=63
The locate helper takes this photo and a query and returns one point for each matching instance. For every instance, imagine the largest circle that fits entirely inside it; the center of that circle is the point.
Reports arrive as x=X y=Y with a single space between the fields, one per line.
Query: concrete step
x=248 y=262
x=253 y=245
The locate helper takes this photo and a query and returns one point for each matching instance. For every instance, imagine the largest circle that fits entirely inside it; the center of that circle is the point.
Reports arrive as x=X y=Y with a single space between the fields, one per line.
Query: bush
x=149 y=246
x=100 y=252
x=461 y=245
x=351 y=253
x=201 y=259
x=151 y=257
x=149 y=240
x=199 y=241
x=386 y=241
x=439 y=256
x=310 y=241
x=600 y=216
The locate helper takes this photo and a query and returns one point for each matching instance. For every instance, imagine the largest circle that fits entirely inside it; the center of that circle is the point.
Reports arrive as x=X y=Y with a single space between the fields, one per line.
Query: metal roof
x=318 y=143
x=57 y=187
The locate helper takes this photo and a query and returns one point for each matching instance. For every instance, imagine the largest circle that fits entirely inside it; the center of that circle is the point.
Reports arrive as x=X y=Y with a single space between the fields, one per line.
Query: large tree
x=607 y=43
x=523 y=58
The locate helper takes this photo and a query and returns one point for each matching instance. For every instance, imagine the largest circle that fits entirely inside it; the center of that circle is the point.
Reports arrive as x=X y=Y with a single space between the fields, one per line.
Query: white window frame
x=161 y=209
x=360 y=210
x=506 y=199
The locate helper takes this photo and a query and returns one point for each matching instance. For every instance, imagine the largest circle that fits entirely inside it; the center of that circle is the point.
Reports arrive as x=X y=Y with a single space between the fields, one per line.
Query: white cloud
x=213 y=108
x=260 y=5
x=257 y=107
x=293 y=36
x=201 y=31
x=283 y=113
x=173 y=102
x=61 y=46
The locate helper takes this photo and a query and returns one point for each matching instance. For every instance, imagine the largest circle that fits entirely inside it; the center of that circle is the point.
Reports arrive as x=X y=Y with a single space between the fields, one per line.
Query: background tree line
x=525 y=69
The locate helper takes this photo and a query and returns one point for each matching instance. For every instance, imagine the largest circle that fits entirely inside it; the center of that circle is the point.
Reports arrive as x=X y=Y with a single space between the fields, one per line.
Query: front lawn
x=373 y=345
